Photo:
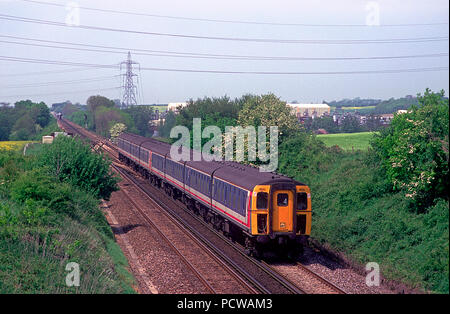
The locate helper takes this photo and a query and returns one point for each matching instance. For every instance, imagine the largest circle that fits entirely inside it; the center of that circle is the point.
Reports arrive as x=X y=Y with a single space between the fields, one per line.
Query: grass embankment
x=47 y=222
x=348 y=141
x=356 y=213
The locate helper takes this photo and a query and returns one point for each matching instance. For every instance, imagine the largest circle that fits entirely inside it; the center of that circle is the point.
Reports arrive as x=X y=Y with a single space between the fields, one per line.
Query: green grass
x=348 y=141
x=34 y=149
x=45 y=224
x=355 y=212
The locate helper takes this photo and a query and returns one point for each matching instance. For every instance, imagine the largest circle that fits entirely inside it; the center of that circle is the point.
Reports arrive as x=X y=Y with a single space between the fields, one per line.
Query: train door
x=283 y=211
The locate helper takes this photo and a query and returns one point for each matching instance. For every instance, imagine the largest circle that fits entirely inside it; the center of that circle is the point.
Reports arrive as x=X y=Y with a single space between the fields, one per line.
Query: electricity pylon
x=130 y=90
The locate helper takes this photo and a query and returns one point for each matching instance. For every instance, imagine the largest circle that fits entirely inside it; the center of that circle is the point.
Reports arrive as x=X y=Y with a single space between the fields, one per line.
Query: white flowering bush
x=414 y=150
x=116 y=130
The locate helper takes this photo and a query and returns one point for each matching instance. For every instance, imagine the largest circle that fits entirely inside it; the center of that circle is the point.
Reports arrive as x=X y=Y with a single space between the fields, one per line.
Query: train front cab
x=281 y=215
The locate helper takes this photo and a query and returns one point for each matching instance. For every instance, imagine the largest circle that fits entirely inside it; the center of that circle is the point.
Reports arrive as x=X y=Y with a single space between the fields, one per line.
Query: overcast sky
x=164 y=87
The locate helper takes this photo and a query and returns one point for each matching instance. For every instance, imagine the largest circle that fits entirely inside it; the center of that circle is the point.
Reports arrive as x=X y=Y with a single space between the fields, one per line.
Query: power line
x=88 y=80
x=57 y=62
x=44 y=72
x=206 y=56
x=62 y=93
x=54 y=62
x=259 y=40
x=235 y=21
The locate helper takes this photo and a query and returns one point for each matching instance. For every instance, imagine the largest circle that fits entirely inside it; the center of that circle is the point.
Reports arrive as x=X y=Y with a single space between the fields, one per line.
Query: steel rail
x=260 y=264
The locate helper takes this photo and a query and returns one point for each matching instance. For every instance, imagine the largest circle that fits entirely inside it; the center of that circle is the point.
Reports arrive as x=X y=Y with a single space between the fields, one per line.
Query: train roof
x=242 y=175
x=147 y=142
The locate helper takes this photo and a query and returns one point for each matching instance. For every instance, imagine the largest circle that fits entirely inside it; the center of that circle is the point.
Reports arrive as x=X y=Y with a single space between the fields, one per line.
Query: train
x=265 y=211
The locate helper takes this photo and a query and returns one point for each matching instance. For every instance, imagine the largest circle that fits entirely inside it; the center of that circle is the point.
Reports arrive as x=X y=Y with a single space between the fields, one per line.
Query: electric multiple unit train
x=263 y=209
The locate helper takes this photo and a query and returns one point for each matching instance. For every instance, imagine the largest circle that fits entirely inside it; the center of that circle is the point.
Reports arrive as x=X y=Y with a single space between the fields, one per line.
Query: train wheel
x=249 y=246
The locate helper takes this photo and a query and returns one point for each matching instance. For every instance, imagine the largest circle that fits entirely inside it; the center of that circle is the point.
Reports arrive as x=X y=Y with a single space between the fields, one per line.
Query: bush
x=414 y=151
x=72 y=161
x=356 y=212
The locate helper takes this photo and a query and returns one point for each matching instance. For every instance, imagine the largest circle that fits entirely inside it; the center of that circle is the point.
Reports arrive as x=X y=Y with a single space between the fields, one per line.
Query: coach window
x=223 y=192
x=262 y=200
x=282 y=199
x=217 y=190
x=302 y=201
x=232 y=197
x=225 y=195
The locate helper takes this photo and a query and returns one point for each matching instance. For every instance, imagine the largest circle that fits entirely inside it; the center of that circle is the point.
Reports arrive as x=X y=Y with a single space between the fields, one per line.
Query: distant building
x=47 y=139
x=362 y=119
x=401 y=111
x=174 y=106
x=309 y=110
x=386 y=118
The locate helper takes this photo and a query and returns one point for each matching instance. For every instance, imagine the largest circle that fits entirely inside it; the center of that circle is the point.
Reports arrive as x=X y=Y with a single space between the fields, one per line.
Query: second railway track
x=214 y=274
x=263 y=277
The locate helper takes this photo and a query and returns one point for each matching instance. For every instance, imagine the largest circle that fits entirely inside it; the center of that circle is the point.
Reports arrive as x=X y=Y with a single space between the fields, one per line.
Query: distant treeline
x=381 y=106
x=355 y=102
x=26 y=120
x=101 y=114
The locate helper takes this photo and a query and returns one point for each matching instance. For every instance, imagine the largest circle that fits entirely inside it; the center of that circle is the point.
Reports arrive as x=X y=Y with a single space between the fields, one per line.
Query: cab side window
x=262 y=200
x=302 y=201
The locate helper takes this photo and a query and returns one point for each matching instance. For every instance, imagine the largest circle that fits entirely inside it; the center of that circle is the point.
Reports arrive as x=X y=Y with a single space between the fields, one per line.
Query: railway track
x=187 y=250
x=264 y=277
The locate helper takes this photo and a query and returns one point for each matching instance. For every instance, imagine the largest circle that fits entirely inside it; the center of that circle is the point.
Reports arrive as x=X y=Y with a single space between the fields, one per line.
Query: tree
x=40 y=114
x=105 y=118
x=213 y=111
x=220 y=112
x=116 y=130
x=169 y=123
x=268 y=110
x=23 y=129
x=350 y=124
x=24 y=120
x=5 y=122
x=95 y=102
x=68 y=109
x=325 y=122
x=140 y=115
x=414 y=150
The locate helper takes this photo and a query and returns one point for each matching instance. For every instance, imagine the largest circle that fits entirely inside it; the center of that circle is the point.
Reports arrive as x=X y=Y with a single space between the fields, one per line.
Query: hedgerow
x=47 y=221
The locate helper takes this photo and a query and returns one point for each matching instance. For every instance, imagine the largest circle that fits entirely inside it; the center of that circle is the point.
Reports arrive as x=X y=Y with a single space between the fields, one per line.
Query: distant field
x=13 y=145
x=348 y=140
x=350 y=108
x=159 y=108
x=357 y=108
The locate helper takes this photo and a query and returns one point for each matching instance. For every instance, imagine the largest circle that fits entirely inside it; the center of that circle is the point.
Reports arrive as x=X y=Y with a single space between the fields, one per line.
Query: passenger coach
x=265 y=209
